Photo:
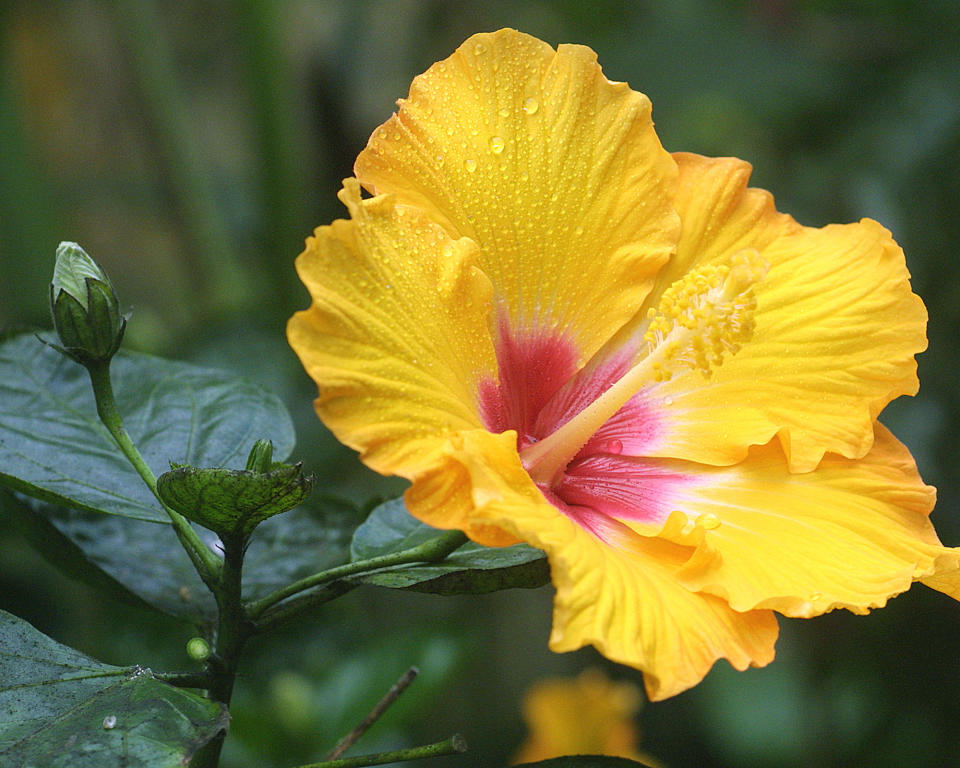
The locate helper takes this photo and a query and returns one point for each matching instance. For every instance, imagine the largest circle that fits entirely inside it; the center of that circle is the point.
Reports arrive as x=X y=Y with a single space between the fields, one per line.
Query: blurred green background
x=191 y=146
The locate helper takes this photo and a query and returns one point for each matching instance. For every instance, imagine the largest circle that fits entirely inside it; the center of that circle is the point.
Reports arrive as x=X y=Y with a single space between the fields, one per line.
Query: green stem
x=185 y=679
x=429 y=552
x=233 y=631
x=454 y=745
x=290 y=610
x=208 y=565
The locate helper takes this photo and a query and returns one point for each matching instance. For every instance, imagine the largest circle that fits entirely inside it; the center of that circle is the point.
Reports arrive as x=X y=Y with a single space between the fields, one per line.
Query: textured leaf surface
x=53 y=447
x=471 y=569
x=232 y=500
x=60 y=708
x=124 y=556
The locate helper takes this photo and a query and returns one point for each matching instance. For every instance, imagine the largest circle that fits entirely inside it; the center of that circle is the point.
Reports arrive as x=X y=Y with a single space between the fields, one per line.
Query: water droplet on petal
x=531 y=105
x=470 y=164
x=708 y=521
x=615 y=446
x=504 y=112
x=479 y=49
x=668 y=401
x=578 y=231
x=497 y=144
x=815 y=597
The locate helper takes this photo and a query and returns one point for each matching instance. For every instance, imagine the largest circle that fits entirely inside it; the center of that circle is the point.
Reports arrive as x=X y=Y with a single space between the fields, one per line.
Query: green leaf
x=53 y=447
x=583 y=761
x=60 y=708
x=471 y=569
x=231 y=501
x=26 y=516
x=139 y=561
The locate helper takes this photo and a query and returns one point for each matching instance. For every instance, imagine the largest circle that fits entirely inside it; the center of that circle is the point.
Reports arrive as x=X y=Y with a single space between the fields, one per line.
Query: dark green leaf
x=35 y=526
x=132 y=556
x=53 y=447
x=583 y=761
x=231 y=500
x=59 y=707
x=120 y=554
x=471 y=569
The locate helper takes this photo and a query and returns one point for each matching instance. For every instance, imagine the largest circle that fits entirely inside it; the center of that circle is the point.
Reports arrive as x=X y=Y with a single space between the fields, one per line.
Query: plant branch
x=185 y=679
x=452 y=746
x=381 y=706
x=431 y=551
x=208 y=565
x=279 y=615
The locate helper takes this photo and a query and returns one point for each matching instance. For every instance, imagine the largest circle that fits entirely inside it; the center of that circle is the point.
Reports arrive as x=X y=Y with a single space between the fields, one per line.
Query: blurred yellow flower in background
x=562 y=334
x=585 y=715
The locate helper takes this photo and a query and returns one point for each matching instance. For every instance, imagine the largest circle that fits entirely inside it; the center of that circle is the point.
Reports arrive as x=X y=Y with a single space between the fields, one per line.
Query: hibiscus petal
x=622 y=597
x=397 y=336
x=552 y=169
x=850 y=534
x=837 y=327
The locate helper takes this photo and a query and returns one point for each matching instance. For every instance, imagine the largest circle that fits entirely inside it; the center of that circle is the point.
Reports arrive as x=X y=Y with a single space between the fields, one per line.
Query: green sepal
x=234 y=502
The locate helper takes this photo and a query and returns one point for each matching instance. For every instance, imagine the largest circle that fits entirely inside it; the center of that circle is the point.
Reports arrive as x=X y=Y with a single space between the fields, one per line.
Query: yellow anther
x=704 y=315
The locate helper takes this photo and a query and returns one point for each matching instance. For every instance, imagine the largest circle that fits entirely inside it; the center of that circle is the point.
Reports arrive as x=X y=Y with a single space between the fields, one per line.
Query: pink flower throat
x=540 y=389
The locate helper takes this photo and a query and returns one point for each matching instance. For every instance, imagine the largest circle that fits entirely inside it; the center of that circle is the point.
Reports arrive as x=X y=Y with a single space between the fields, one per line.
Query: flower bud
x=261 y=457
x=198 y=649
x=86 y=312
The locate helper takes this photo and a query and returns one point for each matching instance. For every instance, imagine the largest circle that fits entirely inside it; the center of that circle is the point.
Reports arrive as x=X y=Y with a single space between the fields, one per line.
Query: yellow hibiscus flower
x=564 y=335
x=586 y=715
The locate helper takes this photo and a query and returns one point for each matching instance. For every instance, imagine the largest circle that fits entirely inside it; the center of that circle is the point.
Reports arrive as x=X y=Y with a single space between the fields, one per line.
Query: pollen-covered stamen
x=701 y=317
x=705 y=314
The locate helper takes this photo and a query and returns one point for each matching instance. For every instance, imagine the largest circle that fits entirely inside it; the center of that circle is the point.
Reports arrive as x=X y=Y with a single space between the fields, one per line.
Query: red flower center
x=540 y=389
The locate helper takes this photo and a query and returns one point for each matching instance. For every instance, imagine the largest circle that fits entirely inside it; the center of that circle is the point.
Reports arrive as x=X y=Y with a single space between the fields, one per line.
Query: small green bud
x=86 y=312
x=261 y=456
x=198 y=649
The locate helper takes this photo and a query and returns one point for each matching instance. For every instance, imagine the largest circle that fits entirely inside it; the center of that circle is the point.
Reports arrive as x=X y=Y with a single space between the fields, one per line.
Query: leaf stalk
x=430 y=551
